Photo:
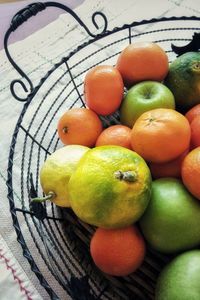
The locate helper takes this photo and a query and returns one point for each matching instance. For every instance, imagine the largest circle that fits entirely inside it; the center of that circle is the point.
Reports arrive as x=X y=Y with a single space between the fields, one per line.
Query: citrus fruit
x=160 y=135
x=195 y=132
x=110 y=187
x=79 y=126
x=179 y=280
x=115 y=135
x=118 y=252
x=171 y=168
x=142 y=61
x=144 y=96
x=103 y=89
x=183 y=80
x=171 y=222
x=56 y=172
x=193 y=112
x=191 y=172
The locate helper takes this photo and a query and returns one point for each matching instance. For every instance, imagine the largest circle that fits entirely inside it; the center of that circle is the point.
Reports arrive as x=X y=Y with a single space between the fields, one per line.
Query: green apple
x=171 y=222
x=180 y=279
x=142 y=97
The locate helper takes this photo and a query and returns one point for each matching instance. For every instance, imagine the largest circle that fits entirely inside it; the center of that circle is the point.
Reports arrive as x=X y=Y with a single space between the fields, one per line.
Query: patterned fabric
x=36 y=55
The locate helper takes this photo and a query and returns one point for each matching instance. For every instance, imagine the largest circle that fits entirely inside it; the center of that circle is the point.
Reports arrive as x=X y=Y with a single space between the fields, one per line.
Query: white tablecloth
x=36 y=54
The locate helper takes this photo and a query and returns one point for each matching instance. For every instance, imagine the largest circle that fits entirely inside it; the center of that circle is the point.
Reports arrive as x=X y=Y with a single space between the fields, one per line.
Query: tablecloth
x=37 y=54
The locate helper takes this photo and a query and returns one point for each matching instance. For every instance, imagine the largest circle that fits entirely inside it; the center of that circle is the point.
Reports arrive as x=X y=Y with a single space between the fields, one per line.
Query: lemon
x=183 y=80
x=110 y=187
x=56 y=172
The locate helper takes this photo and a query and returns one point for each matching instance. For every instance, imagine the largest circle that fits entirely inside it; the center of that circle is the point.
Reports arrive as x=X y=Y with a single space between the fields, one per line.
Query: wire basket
x=60 y=240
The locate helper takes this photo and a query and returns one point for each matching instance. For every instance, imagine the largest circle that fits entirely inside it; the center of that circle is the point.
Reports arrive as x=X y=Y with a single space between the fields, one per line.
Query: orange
x=171 y=168
x=191 y=172
x=117 y=252
x=195 y=132
x=193 y=112
x=118 y=135
x=79 y=126
x=142 y=61
x=103 y=89
x=160 y=135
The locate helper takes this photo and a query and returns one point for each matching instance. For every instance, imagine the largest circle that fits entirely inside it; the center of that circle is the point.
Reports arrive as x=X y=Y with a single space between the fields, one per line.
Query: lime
x=183 y=80
x=171 y=223
x=56 y=172
x=179 y=280
x=110 y=187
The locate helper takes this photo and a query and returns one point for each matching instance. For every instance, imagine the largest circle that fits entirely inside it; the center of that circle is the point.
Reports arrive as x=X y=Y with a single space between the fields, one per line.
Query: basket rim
x=102 y=35
x=9 y=182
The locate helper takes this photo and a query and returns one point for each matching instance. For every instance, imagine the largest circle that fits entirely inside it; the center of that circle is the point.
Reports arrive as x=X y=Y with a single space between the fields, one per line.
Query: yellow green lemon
x=111 y=187
x=56 y=172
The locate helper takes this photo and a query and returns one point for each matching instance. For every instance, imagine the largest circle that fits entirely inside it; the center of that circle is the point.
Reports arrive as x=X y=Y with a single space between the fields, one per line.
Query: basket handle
x=26 y=13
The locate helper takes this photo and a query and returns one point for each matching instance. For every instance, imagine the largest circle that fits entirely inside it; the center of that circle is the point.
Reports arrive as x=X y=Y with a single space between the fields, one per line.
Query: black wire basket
x=60 y=240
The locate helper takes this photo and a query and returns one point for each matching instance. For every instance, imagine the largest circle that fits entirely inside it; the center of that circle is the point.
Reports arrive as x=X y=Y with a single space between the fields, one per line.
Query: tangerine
x=195 y=132
x=103 y=89
x=160 y=135
x=118 y=252
x=118 y=135
x=142 y=61
x=171 y=168
x=191 y=172
x=79 y=126
x=193 y=112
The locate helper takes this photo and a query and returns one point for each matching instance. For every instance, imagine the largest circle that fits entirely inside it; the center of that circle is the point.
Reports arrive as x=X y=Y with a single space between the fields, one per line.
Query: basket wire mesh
x=61 y=241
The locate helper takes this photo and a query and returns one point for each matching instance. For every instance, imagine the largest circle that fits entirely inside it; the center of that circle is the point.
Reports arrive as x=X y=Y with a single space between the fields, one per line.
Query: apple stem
x=49 y=196
x=129 y=176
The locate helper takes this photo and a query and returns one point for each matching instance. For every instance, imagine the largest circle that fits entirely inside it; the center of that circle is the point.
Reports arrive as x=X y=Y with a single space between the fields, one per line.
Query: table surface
x=37 y=54
x=9 y=8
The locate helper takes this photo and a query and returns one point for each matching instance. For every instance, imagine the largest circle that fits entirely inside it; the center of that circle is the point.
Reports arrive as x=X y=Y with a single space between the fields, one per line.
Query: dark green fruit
x=183 y=80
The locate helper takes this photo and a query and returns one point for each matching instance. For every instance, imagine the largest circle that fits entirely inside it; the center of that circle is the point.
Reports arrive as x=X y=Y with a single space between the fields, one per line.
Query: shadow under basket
x=53 y=240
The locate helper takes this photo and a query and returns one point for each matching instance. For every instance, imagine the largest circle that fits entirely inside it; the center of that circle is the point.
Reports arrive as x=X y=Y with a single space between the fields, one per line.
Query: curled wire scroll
x=21 y=17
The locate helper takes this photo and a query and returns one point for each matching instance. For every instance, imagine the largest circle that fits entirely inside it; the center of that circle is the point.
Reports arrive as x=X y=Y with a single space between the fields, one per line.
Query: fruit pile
x=137 y=182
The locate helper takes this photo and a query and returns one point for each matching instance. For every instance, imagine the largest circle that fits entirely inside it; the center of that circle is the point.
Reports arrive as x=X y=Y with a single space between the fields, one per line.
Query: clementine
x=117 y=252
x=193 y=112
x=103 y=89
x=142 y=61
x=171 y=168
x=195 y=131
x=191 y=172
x=119 y=135
x=160 y=135
x=79 y=126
